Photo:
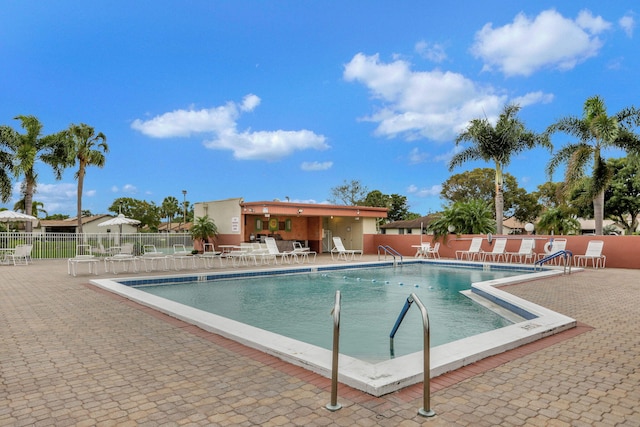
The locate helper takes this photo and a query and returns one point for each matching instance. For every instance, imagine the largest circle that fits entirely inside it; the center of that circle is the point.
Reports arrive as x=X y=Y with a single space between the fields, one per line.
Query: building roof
x=421 y=222
x=71 y=222
x=312 y=209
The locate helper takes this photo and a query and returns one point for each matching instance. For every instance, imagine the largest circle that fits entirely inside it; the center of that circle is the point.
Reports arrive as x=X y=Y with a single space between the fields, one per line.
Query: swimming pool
x=298 y=305
x=374 y=378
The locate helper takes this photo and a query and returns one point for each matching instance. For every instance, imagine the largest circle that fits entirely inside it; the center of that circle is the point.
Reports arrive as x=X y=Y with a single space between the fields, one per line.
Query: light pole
x=184 y=208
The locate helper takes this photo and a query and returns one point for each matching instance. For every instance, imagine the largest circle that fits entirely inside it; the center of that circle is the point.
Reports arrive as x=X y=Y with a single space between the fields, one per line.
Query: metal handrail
x=426 y=410
x=567 y=255
x=389 y=250
x=334 y=405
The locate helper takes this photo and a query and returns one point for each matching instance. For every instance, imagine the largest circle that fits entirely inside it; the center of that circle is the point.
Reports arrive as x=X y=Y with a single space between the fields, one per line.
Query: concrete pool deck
x=74 y=355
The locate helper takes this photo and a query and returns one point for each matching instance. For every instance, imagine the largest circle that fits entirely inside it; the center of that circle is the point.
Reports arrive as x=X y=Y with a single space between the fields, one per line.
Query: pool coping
x=382 y=377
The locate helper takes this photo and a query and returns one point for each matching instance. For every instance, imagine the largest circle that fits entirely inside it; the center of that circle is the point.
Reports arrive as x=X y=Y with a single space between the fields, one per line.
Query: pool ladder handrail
x=566 y=254
x=389 y=250
x=426 y=410
x=334 y=405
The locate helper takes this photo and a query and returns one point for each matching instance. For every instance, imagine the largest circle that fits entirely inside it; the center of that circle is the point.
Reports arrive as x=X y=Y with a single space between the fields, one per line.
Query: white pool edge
x=383 y=377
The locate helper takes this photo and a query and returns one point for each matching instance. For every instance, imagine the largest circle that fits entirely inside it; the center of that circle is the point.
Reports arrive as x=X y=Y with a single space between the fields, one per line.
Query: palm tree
x=86 y=149
x=203 y=228
x=36 y=209
x=170 y=207
x=6 y=165
x=558 y=220
x=26 y=149
x=497 y=143
x=464 y=217
x=595 y=131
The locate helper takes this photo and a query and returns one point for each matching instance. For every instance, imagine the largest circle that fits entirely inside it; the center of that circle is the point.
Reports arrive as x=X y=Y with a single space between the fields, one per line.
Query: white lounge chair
x=474 y=251
x=552 y=247
x=152 y=256
x=121 y=255
x=422 y=250
x=209 y=255
x=272 y=248
x=342 y=252
x=303 y=253
x=498 y=251
x=84 y=255
x=524 y=253
x=180 y=253
x=593 y=253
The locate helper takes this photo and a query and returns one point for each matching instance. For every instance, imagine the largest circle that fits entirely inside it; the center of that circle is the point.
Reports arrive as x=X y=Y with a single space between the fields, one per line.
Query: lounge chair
x=474 y=251
x=498 y=251
x=20 y=255
x=524 y=253
x=272 y=248
x=552 y=247
x=303 y=253
x=209 y=255
x=342 y=252
x=433 y=251
x=121 y=255
x=84 y=255
x=180 y=253
x=152 y=256
x=593 y=253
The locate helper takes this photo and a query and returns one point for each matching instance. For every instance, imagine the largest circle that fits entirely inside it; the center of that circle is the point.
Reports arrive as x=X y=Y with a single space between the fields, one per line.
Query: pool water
x=299 y=305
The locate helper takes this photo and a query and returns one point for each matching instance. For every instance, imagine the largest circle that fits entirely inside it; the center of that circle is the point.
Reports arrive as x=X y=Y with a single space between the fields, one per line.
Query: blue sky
x=287 y=99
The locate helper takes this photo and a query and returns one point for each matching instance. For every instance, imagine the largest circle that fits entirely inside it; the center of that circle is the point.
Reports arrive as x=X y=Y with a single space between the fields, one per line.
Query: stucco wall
x=621 y=251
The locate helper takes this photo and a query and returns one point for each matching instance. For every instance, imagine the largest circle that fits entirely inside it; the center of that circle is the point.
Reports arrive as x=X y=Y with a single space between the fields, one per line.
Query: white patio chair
x=180 y=253
x=498 y=251
x=474 y=251
x=20 y=256
x=342 y=252
x=272 y=248
x=303 y=253
x=152 y=257
x=593 y=253
x=524 y=253
x=121 y=256
x=433 y=251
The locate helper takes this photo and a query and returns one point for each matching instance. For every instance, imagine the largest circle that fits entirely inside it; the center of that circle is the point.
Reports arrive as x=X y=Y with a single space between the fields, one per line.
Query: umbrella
x=12 y=216
x=119 y=220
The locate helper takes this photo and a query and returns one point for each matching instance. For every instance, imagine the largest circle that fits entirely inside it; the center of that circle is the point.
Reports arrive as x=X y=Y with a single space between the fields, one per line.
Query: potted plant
x=203 y=229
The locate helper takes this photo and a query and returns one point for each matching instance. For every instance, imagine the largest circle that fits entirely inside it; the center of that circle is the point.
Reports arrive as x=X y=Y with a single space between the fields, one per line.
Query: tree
x=498 y=144
x=6 y=165
x=479 y=184
x=558 y=221
x=29 y=148
x=470 y=217
x=203 y=229
x=594 y=132
x=37 y=208
x=170 y=208
x=84 y=148
x=622 y=197
x=349 y=193
x=146 y=212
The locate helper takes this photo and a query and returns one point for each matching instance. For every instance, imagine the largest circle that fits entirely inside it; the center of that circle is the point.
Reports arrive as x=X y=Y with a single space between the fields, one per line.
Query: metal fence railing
x=63 y=245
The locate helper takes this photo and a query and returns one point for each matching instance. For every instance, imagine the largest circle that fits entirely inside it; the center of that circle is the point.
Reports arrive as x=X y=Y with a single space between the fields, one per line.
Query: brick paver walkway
x=73 y=355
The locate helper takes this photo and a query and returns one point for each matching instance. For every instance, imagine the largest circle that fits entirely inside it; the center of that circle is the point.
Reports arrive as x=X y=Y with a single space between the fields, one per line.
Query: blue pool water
x=299 y=305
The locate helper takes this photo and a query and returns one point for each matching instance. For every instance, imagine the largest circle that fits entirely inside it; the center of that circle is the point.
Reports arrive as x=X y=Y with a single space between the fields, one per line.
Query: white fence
x=63 y=245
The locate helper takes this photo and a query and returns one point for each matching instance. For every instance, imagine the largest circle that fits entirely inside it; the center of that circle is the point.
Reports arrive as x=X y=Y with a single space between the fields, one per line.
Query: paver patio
x=71 y=354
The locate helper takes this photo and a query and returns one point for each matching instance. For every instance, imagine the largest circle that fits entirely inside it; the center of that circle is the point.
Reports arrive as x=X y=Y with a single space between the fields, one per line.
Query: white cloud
x=129 y=188
x=416 y=156
x=90 y=193
x=548 y=41
x=628 y=24
x=434 y=190
x=315 y=166
x=56 y=198
x=533 y=98
x=221 y=122
x=431 y=51
x=422 y=104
